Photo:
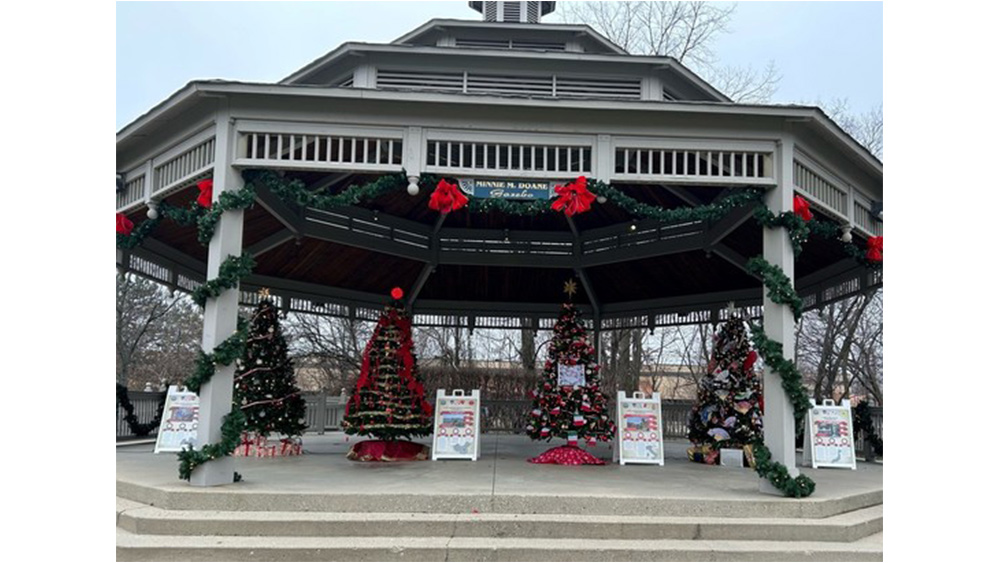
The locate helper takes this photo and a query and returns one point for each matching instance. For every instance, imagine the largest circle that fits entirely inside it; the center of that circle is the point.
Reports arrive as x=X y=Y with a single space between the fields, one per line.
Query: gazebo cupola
x=519 y=12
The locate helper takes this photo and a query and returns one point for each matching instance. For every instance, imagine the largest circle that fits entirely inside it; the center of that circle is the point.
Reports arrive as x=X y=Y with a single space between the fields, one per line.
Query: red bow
x=573 y=197
x=874 y=249
x=205 y=197
x=802 y=208
x=447 y=198
x=122 y=224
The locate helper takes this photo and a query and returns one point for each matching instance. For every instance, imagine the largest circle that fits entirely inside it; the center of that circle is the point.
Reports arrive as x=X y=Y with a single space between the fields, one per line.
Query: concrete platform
x=501 y=481
x=321 y=506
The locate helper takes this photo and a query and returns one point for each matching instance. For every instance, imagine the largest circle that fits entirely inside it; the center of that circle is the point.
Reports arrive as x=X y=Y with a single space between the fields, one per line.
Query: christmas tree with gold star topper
x=567 y=402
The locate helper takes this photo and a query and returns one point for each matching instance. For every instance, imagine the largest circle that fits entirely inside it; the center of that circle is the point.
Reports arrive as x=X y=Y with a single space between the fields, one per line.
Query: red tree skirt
x=567 y=455
x=381 y=450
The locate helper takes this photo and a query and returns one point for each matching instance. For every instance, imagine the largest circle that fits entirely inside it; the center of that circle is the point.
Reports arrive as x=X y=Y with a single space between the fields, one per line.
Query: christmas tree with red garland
x=389 y=401
x=729 y=411
x=568 y=402
x=265 y=386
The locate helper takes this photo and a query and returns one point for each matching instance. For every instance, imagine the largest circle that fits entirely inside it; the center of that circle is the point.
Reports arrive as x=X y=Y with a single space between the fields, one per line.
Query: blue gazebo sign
x=507 y=189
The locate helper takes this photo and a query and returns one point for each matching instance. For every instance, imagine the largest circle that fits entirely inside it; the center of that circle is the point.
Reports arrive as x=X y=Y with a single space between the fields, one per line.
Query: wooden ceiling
x=339 y=266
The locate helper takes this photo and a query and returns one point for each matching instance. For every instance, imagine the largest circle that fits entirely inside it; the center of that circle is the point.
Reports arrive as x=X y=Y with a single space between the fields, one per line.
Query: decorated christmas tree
x=265 y=387
x=388 y=403
x=568 y=402
x=728 y=412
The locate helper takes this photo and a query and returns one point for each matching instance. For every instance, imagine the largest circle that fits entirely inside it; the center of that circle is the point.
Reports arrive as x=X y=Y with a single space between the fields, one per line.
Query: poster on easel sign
x=831 y=435
x=179 y=425
x=456 y=425
x=640 y=429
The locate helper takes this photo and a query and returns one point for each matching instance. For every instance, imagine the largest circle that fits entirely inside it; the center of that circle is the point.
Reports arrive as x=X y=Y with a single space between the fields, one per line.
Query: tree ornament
x=123 y=226
x=397 y=293
x=205 y=193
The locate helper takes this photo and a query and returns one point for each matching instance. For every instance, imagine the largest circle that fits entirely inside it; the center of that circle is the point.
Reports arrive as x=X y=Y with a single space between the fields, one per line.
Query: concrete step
x=260 y=497
x=134 y=547
x=148 y=520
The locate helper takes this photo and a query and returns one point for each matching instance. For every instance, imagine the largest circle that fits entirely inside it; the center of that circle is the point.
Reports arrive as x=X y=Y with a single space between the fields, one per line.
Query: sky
x=823 y=50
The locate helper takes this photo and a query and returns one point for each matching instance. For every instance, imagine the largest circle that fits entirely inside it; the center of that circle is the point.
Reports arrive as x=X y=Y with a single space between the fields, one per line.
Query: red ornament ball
x=397 y=293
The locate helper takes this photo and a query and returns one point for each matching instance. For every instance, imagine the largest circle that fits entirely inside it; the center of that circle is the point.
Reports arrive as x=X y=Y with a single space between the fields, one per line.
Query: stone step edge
x=130 y=508
x=155 y=521
x=186 y=498
x=123 y=539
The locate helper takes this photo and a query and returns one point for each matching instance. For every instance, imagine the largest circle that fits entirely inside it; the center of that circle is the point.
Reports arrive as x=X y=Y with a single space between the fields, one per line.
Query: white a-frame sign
x=640 y=429
x=830 y=429
x=456 y=425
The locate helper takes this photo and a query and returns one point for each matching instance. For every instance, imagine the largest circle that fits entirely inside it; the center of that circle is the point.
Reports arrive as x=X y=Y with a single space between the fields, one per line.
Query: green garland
x=138 y=428
x=194 y=214
x=231 y=271
x=710 y=212
x=230 y=350
x=772 y=352
x=228 y=201
x=294 y=190
x=777 y=474
x=798 y=228
x=863 y=423
x=779 y=287
x=232 y=427
x=791 y=381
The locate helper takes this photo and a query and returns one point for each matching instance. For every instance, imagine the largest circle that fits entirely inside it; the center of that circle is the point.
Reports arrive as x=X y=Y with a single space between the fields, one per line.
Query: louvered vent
x=533 y=11
x=599 y=88
x=511 y=84
x=490 y=12
x=512 y=11
x=509 y=44
x=418 y=80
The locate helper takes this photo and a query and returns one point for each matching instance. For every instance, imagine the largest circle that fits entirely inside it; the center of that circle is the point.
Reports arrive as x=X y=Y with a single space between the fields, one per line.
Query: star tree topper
x=569 y=288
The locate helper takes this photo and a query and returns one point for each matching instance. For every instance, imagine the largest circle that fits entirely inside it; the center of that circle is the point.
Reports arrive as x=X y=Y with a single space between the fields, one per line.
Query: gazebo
x=320 y=188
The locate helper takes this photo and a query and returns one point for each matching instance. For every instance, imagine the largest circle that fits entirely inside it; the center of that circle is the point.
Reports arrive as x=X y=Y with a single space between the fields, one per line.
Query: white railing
x=181 y=169
x=134 y=192
x=633 y=162
x=820 y=189
x=463 y=156
x=369 y=152
x=863 y=216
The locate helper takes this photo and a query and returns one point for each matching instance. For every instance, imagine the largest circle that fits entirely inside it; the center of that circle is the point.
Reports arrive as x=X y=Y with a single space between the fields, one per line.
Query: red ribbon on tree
x=205 y=197
x=874 y=249
x=801 y=207
x=447 y=198
x=122 y=224
x=749 y=362
x=573 y=197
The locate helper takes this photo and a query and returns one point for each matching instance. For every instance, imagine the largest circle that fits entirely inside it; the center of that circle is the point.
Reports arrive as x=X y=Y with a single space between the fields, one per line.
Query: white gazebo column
x=216 y=396
x=779 y=323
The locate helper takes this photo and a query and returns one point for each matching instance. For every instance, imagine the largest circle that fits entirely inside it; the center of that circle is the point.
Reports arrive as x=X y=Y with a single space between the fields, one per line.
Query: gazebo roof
x=469 y=266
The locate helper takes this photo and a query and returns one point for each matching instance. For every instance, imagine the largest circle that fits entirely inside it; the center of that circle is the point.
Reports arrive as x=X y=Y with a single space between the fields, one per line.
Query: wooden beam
x=288 y=217
x=270 y=243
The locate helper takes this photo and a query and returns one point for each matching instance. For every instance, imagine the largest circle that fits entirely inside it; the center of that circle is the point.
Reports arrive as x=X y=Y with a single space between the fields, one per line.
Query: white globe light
x=413 y=189
x=602 y=199
x=152 y=213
